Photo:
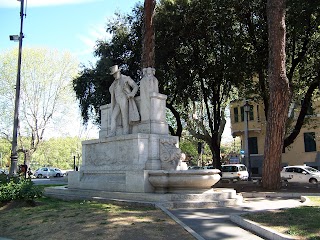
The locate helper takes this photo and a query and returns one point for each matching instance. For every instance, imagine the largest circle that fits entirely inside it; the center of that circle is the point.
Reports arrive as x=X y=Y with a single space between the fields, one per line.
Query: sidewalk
x=215 y=223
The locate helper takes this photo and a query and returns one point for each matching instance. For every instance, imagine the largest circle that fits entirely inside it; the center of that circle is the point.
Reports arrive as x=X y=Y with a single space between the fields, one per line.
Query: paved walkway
x=215 y=223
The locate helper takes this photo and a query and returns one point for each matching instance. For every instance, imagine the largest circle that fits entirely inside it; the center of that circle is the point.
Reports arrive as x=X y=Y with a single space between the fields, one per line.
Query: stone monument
x=134 y=152
x=136 y=156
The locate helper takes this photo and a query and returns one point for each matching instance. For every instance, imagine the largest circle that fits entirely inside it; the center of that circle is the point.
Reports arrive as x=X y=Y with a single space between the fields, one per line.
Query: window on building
x=309 y=142
x=242 y=114
x=251 y=113
x=258 y=113
x=253 y=145
x=251 y=117
x=236 y=114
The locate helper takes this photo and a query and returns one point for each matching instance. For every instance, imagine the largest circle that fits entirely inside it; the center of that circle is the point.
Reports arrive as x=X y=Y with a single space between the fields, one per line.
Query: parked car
x=4 y=171
x=58 y=172
x=194 y=168
x=300 y=174
x=66 y=172
x=234 y=172
x=208 y=167
x=48 y=172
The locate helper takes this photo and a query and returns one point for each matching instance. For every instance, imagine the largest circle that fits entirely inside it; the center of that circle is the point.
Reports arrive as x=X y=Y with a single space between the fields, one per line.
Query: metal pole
x=247 y=151
x=246 y=137
x=14 y=153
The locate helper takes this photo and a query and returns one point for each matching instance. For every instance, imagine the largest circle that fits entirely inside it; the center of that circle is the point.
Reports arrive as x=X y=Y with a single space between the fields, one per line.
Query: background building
x=304 y=150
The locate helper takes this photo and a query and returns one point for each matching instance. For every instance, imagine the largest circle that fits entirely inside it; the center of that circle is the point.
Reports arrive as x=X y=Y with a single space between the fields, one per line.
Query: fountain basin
x=174 y=181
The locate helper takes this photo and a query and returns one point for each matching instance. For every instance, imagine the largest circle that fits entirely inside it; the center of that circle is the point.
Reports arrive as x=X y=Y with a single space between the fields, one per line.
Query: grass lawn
x=82 y=220
x=302 y=222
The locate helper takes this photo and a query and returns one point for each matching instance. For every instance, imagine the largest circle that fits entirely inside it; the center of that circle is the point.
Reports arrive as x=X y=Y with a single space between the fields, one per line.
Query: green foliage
x=57 y=152
x=302 y=53
x=19 y=188
x=233 y=146
x=46 y=95
x=28 y=191
x=302 y=222
x=5 y=152
x=3 y=178
x=189 y=147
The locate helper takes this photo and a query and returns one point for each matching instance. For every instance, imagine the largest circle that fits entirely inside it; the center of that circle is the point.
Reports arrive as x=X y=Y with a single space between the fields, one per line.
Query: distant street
x=52 y=180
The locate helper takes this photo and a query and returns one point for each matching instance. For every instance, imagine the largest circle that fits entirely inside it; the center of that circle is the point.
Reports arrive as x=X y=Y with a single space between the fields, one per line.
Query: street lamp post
x=246 y=133
x=14 y=153
x=74 y=163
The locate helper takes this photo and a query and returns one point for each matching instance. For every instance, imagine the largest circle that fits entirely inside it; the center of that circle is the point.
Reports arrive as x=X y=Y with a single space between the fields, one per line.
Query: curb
x=186 y=227
x=263 y=231
x=277 y=194
x=260 y=230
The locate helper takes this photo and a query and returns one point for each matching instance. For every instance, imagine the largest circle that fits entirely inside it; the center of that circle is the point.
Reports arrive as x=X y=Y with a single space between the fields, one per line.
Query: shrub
x=28 y=190
x=19 y=189
x=3 y=178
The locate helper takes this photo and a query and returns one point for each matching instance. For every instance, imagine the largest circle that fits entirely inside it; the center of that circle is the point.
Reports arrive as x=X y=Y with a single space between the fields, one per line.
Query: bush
x=3 y=178
x=29 y=191
x=19 y=189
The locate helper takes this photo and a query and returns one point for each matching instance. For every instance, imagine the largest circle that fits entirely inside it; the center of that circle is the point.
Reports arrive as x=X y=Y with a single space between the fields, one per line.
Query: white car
x=4 y=171
x=66 y=172
x=300 y=174
x=48 y=172
x=234 y=172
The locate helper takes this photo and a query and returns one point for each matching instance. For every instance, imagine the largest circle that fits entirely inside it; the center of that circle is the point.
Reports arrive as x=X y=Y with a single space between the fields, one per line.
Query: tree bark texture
x=148 y=44
x=280 y=95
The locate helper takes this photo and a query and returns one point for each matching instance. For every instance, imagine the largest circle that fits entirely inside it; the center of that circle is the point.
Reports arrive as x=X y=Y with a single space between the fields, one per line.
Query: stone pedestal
x=119 y=163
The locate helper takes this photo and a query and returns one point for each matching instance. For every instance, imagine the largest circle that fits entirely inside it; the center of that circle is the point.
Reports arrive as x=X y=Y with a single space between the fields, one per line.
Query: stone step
x=195 y=204
x=223 y=197
x=210 y=195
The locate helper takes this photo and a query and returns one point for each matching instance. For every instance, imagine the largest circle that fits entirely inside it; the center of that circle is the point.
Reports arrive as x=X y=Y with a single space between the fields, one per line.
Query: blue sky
x=71 y=25
x=66 y=25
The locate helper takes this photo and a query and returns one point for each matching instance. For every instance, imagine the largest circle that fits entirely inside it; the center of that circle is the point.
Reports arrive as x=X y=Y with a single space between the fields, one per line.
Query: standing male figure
x=121 y=96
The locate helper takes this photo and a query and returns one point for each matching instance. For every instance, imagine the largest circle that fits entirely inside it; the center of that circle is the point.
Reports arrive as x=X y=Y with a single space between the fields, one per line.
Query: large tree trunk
x=148 y=44
x=279 y=95
x=215 y=150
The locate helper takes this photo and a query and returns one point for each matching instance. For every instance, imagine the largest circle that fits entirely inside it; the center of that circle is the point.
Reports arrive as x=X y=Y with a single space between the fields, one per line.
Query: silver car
x=48 y=172
x=300 y=174
x=4 y=171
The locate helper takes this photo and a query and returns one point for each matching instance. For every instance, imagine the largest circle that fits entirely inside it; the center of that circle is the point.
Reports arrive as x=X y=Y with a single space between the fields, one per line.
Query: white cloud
x=41 y=3
x=89 y=40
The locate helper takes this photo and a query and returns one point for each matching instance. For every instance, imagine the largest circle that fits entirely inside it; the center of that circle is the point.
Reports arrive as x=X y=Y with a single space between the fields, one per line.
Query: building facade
x=304 y=150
